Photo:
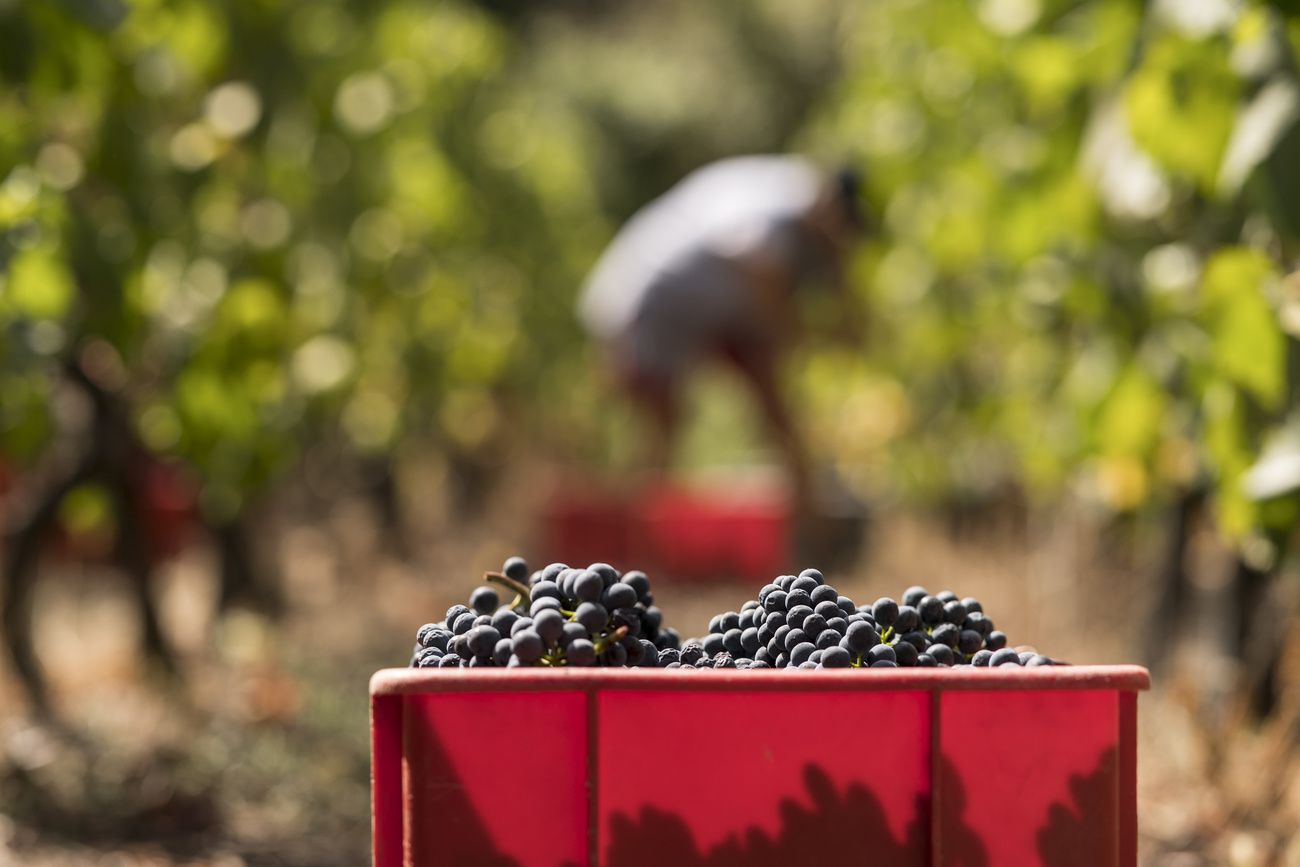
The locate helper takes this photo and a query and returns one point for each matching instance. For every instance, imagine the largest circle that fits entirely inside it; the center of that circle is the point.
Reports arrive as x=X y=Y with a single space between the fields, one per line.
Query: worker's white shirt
x=662 y=267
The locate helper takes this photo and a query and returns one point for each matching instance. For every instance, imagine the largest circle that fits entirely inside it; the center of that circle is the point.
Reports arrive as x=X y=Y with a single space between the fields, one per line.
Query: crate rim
x=416 y=681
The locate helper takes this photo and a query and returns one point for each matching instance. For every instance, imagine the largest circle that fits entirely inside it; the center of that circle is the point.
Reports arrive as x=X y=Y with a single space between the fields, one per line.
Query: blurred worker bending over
x=711 y=268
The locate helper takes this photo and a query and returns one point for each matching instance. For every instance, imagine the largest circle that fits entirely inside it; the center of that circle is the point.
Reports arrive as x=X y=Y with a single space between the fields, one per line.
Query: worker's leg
x=757 y=362
x=658 y=400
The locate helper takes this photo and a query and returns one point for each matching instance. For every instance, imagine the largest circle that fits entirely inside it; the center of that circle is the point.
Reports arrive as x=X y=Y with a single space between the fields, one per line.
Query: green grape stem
x=609 y=640
x=523 y=596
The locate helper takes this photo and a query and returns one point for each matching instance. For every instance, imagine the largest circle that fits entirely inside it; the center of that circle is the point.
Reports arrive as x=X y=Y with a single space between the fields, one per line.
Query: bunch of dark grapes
x=802 y=622
x=559 y=617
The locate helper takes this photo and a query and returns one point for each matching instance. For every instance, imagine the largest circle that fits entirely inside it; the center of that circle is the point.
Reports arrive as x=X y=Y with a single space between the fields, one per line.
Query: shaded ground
x=259 y=754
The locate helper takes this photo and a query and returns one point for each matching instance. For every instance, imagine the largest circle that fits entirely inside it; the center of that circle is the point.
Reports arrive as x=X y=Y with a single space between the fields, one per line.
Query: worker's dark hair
x=848 y=184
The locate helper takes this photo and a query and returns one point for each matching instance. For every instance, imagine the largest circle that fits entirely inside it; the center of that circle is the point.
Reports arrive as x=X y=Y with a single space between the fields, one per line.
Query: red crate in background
x=630 y=767
x=671 y=532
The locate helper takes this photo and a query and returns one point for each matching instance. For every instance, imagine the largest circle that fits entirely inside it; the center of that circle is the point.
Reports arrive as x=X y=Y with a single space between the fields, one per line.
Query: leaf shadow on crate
x=1083 y=832
x=847 y=828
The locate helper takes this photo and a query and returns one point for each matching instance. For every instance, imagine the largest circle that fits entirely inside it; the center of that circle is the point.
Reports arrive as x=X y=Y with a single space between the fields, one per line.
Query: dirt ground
x=256 y=752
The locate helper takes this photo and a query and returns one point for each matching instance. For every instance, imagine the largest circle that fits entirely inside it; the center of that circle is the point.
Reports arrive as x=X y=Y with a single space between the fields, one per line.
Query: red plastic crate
x=672 y=532
x=627 y=767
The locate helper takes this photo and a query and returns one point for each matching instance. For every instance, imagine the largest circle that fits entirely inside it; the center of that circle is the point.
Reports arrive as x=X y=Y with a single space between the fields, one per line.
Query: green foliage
x=308 y=219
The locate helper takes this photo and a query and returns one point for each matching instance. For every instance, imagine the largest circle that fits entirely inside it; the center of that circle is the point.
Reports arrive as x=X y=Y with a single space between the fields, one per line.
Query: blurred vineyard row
x=239 y=230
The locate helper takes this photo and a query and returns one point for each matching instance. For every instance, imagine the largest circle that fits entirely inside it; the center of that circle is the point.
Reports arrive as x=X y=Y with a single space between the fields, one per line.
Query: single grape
x=714 y=644
x=827 y=638
x=940 y=653
x=521 y=623
x=883 y=663
x=724 y=660
x=775 y=601
x=946 y=633
x=836 y=657
x=861 y=637
x=917 y=639
x=931 y=610
x=813 y=574
x=588 y=586
x=954 y=612
x=608 y=574
x=580 y=652
x=806 y=585
x=946 y=596
x=882 y=652
x=502 y=652
x=651 y=619
x=732 y=644
x=905 y=654
x=729 y=621
x=669 y=654
x=746 y=620
x=748 y=606
x=1036 y=660
x=796 y=615
x=907 y=620
x=969 y=641
x=913 y=595
x=635 y=651
x=795 y=597
x=846 y=606
x=981 y=658
x=925 y=660
x=592 y=615
x=516 y=569
x=824 y=593
x=796 y=637
x=715 y=625
x=616 y=655
x=527 y=645
x=1005 y=656
x=813 y=624
x=484 y=600
x=1025 y=655
x=464 y=623
x=763 y=655
x=544 y=590
x=638 y=582
x=838 y=624
x=816 y=656
x=800 y=653
x=504 y=620
x=460 y=646
x=759 y=663
x=451 y=660
x=551 y=572
x=827 y=609
x=481 y=640
x=785 y=582
x=691 y=653
x=995 y=640
x=885 y=611
x=783 y=660
x=454 y=613
x=972 y=605
x=749 y=641
x=549 y=624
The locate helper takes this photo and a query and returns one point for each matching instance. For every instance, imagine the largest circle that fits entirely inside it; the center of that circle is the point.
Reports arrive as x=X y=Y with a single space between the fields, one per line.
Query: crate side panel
x=497 y=779
x=763 y=778
x=1029 y=778
x=386 y=780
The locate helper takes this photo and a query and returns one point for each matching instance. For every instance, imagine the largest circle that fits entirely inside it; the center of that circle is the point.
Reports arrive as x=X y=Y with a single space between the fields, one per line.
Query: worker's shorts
x=701 y=309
